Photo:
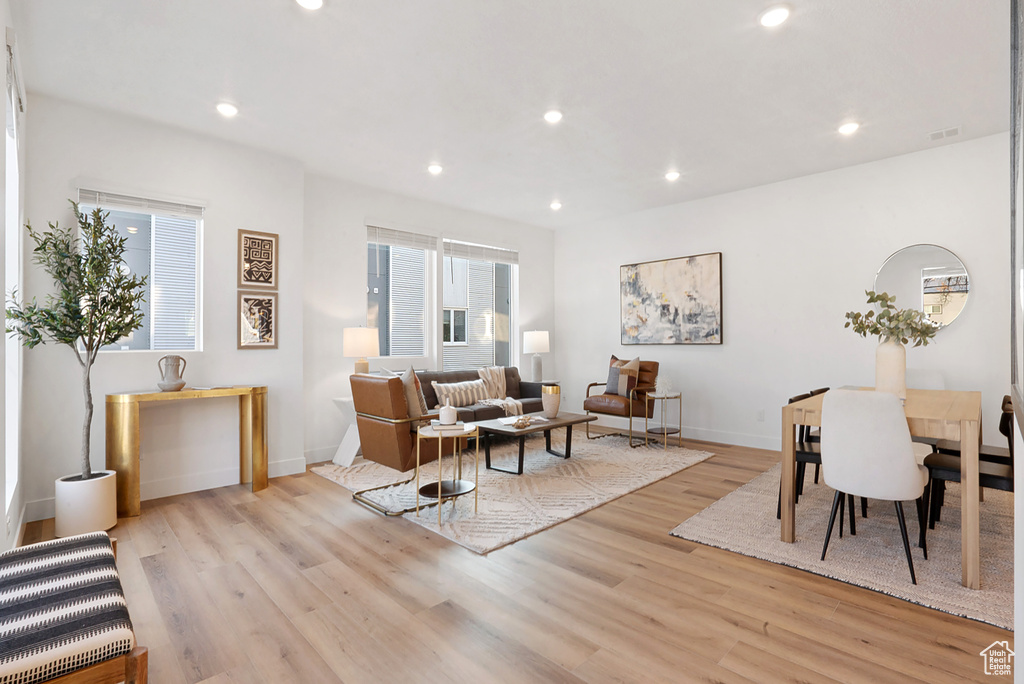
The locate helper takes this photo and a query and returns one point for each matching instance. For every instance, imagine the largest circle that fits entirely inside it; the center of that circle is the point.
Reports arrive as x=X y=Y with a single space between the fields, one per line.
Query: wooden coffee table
x=562 y=420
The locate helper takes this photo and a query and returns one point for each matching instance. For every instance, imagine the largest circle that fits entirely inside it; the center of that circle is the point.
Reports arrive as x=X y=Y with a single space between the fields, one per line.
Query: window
x=163 y=240
x=399 y=265
x=477 y=292
x=454 y=326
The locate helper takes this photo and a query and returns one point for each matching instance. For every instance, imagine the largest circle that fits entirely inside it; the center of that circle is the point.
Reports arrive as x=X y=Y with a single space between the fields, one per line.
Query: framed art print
x=257 y=259
x=257 y=320
x=673 y=301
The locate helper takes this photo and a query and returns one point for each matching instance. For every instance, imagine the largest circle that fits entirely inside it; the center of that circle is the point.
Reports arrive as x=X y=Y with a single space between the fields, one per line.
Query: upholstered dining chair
x=995 y=465
x=625 y=393
x=866 y=451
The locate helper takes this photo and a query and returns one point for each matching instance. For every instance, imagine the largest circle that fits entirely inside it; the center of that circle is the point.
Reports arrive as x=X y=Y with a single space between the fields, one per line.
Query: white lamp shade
x=360 y=342
x=535 y=342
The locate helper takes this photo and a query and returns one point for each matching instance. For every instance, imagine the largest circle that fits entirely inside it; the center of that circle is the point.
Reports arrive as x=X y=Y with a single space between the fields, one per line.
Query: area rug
x=512 y=507
x=744 y=521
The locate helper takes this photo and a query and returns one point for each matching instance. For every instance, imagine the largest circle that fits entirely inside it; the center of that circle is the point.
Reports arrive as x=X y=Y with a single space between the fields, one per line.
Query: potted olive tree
x=894 y=328
x=95 y=302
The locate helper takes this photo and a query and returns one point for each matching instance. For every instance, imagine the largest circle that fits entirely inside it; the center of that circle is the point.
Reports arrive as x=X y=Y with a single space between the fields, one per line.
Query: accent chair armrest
x=603 y=383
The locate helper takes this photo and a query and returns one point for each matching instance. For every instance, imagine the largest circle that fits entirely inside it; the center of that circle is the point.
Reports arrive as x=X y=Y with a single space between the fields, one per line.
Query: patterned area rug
x=549 y=491
x=744 y=521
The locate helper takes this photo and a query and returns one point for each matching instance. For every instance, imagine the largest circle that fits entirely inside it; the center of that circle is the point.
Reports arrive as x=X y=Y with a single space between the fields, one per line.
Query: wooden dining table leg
x=970 y=527
x=788 y=476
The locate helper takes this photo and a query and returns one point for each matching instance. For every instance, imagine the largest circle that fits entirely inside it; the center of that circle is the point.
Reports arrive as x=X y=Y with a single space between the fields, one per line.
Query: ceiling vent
x=944 y=133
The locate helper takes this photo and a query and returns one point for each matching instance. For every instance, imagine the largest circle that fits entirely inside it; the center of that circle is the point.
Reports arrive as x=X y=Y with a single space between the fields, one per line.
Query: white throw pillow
x=459 y=393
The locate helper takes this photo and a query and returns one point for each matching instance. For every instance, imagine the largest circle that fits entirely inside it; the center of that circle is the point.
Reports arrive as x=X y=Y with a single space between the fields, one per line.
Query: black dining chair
x=995 y=464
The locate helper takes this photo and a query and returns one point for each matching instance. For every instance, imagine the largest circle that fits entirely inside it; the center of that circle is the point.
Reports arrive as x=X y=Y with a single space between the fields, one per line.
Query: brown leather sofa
x=388 y=435
x=633 y=406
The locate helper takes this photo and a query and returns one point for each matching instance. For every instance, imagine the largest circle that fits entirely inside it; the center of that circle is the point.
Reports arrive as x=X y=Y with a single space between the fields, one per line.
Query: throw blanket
x=513 y=407
x=494 y=381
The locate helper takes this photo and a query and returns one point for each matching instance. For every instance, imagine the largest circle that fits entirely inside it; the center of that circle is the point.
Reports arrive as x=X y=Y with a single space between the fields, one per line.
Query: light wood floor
x=300 y=584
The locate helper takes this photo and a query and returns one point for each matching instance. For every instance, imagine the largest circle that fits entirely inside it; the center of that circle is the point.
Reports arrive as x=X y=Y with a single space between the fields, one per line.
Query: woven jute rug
x=512 y=507
x=744 y=521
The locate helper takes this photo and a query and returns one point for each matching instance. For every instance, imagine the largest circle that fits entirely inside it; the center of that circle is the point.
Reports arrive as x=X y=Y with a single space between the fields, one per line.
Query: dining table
x=940 y=414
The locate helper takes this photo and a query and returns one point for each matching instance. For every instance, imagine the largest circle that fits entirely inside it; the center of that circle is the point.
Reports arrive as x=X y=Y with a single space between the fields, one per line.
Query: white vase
x=550 y=398
x=85 y=505
x=891 y=368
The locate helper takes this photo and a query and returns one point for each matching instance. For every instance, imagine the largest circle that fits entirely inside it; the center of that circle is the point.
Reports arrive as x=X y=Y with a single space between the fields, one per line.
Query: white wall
x=186 y=445
x=336 y=214
x=797 y=255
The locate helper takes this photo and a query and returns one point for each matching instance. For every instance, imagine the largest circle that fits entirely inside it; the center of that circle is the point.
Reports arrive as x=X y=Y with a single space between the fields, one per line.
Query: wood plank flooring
x=300 y=584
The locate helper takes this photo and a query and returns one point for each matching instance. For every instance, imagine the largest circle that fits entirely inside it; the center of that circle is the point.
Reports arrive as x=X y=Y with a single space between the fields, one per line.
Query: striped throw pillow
x=459 y=393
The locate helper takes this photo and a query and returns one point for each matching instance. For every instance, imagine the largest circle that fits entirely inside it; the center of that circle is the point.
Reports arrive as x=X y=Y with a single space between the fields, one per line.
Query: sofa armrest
x=532 y=390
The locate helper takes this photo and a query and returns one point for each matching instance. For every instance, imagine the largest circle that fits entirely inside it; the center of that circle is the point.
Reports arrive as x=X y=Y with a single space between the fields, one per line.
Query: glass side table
x=663 y=430
x=455 y=487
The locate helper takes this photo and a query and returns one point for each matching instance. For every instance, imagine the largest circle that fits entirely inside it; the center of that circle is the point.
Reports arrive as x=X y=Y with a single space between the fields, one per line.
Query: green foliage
x=96 y=301
x=901 y=325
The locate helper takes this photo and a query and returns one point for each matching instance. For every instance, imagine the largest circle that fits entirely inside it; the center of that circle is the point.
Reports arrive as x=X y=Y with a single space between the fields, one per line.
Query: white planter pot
x=891 y=368
x=85 y=505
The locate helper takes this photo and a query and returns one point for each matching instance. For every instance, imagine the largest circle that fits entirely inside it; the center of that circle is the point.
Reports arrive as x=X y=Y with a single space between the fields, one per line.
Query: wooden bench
x=63 y=616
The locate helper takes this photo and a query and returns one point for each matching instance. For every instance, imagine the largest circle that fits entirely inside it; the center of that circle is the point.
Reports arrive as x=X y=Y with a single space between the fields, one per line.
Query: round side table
x=663 y=430
x=456 y=486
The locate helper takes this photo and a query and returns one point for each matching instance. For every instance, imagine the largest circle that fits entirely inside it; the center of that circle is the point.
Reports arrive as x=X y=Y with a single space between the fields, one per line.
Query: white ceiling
x=375 y=90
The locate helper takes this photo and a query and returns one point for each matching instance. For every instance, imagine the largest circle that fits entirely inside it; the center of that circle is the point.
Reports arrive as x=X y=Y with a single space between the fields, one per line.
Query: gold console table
x=124 y=433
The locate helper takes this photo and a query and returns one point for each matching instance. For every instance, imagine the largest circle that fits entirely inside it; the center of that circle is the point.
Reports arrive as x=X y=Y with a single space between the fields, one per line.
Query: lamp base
x=537 y=372
x=362 y=366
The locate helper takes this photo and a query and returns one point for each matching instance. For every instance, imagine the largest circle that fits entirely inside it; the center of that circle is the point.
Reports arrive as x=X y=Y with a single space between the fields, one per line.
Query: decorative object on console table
x=536 y=342
x=257 y=320
x=96 y=302
x=894 y=328
x=171 y=367
x=257 y=260
x=358 y=343
x=674 y=301
x=551 y=397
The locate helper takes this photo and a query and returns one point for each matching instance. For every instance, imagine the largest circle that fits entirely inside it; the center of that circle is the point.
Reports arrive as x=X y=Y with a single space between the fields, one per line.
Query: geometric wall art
x=257 y=259
x=257 y=320
x=672 y=301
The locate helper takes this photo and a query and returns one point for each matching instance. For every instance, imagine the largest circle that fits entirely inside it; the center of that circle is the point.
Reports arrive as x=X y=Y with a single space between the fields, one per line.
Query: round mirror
x=926 y=277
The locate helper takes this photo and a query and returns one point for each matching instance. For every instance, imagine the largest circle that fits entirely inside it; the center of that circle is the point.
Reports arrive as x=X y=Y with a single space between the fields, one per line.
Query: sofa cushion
x=427 y=377
x=459 y=393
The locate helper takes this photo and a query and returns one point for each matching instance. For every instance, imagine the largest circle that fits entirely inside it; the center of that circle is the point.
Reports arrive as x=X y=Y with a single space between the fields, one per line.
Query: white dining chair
x=866 y=451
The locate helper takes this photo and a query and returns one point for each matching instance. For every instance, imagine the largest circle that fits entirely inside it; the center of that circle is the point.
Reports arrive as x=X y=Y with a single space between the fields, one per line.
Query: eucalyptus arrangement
x=891 y=324
x=95 y=302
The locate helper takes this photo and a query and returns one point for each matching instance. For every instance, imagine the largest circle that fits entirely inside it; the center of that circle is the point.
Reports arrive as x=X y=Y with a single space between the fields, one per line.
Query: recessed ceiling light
x=435 y=169
x=556 y=205
x=672 y=175
x=311 y=4
x=849 y=128
x=227 y=109
x=554 y=116
x=773 y=16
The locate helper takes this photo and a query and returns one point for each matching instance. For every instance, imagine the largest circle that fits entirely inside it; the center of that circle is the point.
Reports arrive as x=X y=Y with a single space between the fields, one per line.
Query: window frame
x=465 y=326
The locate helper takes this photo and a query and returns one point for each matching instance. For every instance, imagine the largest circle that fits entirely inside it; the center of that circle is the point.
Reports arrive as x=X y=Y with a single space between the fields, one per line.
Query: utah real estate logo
x=998 y=659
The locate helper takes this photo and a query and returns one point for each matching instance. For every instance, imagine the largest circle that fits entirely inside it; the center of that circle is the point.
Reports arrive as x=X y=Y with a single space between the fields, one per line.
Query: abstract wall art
x=257 y=320
x=257 y=259
x=673 y=301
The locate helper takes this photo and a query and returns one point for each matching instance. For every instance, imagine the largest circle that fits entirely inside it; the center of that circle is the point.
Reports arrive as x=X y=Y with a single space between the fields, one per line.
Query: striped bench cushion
x=61 y=608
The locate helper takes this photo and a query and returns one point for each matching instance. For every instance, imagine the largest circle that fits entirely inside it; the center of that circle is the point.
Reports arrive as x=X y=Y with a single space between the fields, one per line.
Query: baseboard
x=320 y=454
x=702 y=434
x=42 y=509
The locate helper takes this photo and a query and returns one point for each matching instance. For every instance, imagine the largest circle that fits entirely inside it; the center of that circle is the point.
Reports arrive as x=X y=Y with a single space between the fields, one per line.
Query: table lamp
x=358 y=343
x=536 y=342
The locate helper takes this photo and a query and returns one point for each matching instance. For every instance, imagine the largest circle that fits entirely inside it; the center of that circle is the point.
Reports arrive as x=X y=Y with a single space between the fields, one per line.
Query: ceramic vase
x=448 y=414
x=551 y=397
x=171 y=367
x=85 y=505
x=891 y=368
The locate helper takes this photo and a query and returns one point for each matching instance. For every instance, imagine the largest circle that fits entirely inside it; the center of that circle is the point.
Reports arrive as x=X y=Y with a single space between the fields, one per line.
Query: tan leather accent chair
x=635 y=405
